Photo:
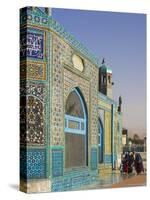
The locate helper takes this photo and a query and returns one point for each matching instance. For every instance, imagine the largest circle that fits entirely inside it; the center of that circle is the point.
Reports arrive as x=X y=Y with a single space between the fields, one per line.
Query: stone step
x=105 y=169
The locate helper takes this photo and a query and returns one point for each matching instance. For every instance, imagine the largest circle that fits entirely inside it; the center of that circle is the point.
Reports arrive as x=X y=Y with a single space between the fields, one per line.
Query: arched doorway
x=76 y=152
x=100 y=140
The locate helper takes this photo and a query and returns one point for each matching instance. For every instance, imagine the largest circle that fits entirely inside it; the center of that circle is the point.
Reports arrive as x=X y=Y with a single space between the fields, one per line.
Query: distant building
x=74 y=130
x=124 y=137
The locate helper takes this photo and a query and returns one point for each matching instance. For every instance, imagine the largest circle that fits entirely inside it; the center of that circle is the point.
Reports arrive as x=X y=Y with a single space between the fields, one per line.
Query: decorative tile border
x=33 y=71
x=57 y=162
x=32 y=163
x=94 y=158
x=105 y=98
x=73 y=181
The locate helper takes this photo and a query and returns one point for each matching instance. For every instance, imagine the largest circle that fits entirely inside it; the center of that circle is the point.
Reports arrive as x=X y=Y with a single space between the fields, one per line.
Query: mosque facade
x=70 y=126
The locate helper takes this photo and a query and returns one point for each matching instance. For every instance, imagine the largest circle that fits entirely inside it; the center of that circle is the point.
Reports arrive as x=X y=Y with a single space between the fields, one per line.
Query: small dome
x=105 y=68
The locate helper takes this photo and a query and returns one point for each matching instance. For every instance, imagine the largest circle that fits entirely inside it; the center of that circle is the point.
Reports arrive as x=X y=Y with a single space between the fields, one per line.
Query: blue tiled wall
x=57 y=163
x=73 y=181
x=94 y=158
x=33 y=163
x=32 y=44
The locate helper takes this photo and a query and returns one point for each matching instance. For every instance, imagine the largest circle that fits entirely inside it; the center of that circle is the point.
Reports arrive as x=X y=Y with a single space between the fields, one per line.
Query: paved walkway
x=138 y=180
x=116 y=181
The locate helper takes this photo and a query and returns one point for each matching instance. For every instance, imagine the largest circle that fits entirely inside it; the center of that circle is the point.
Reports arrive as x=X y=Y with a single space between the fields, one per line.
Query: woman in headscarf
x=130 y=162
x=124 y=164
x=138 y=163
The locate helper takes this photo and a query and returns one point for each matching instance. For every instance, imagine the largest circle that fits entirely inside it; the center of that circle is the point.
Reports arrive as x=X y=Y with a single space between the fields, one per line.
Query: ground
x=139 y=180
x=116 y=180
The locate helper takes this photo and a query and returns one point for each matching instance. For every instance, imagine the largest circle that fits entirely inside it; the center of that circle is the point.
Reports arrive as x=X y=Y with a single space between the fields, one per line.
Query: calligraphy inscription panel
x=32 y=45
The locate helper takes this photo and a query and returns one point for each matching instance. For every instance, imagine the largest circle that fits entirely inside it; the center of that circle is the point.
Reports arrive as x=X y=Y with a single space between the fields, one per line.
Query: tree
x=136 y=139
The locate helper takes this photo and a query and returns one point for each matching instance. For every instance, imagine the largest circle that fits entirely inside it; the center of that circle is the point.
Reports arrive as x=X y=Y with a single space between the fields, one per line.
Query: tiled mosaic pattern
x=93 y=158
x=32 y=115
x=34 y=89
x=62 y=53
x=34 y=18
x=34 y=122
x=32 y=45
x=33 y=71
x=34 y=103
x=74 y=181
x=57 y=98
x=47 y=68
x=33 y=163
x=107 y=132
x=71 y=81
x=94 y=102
x=57 y=163
x=101 y=114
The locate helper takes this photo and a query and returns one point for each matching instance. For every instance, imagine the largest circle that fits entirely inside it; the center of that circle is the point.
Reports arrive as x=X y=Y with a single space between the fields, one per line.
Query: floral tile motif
x=33 y=71
x=32 y=112
x=32 y=122
x=34 y=89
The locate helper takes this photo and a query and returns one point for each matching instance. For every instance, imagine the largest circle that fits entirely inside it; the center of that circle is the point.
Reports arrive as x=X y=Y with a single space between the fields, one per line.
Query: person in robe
x=138 y=163
x=130 y=162
x=124 y=164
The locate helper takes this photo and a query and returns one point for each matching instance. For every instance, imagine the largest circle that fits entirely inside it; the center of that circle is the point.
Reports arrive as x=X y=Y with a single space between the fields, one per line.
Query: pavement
x=117 y=180
x=138 y=180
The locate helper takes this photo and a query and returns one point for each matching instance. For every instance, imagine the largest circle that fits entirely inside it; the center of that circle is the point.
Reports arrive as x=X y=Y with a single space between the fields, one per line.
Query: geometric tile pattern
x=57 y=163
x=57 y=101
x=31 y=45
x=94 y=93
x=57 y=186
x=33 y=71
x=93 y=158
x=32 y=122
x=33 y=163
x=61 y=50
x=73 y=181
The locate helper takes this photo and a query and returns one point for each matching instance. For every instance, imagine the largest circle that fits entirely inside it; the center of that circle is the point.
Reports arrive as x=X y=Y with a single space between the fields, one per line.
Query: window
x=109 y=79
x=75 y=130
x=78 y=62
x=103 y=79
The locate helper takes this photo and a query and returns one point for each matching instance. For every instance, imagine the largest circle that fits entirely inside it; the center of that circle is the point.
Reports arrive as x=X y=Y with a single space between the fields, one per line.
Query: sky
x=121 y=39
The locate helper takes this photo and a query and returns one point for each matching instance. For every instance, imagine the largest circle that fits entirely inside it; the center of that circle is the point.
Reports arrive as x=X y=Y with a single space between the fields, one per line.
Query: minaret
x=105 y=80
x=120 y=102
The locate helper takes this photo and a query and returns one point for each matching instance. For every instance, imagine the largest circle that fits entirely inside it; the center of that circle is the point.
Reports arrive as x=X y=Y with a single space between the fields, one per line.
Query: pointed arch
x=100 y=141
x=76 y=132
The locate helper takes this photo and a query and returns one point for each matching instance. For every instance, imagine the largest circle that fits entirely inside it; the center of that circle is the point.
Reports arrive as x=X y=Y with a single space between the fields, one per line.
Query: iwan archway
x=76 y=131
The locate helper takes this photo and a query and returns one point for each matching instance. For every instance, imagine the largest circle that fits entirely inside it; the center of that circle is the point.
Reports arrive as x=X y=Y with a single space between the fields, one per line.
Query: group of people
x=131 y=161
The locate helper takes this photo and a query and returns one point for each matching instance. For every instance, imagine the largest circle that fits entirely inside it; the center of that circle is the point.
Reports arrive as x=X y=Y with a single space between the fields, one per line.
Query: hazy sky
x=121 y=39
